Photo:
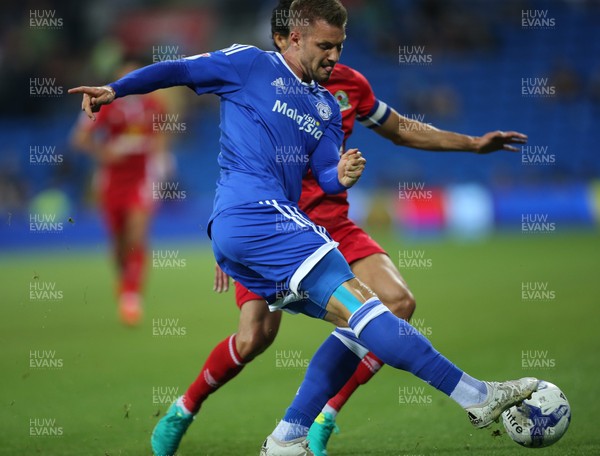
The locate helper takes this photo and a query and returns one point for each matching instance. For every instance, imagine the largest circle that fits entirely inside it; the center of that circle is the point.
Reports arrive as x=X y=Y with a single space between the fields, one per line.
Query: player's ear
x=294 y=38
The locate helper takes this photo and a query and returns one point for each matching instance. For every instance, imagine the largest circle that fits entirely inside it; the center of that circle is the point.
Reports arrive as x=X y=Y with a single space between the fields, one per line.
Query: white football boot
x=275 y=447
x=501 y=396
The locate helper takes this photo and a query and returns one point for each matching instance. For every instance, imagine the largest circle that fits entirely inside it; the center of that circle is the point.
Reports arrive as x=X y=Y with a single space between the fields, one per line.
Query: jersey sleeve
x=326 y=156
x=217 y=72
x=371 y=112
x=223 y=71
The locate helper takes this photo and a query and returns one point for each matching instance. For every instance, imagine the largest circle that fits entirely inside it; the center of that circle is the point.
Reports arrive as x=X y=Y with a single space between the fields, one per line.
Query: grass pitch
x=75 y=382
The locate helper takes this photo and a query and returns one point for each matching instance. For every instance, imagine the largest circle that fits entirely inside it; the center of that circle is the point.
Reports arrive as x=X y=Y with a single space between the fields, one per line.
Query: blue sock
x=400 y=345
x=329 y=369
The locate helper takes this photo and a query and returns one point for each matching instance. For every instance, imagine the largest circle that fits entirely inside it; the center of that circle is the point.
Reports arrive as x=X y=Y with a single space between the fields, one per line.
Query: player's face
x=320 y=47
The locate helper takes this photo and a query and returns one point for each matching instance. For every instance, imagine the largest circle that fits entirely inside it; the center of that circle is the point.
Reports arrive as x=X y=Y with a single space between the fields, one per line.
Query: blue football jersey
x=271 y=123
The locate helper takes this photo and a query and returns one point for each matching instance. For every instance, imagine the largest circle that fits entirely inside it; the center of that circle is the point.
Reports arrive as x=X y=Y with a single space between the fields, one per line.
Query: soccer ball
x=539 y=421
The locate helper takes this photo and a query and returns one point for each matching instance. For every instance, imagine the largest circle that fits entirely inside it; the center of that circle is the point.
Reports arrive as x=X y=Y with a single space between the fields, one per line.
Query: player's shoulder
x=245 y=49
x=237 y=52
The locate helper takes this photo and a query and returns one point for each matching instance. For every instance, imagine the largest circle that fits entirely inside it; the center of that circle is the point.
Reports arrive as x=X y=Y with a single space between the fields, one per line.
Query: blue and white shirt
x=273 y=125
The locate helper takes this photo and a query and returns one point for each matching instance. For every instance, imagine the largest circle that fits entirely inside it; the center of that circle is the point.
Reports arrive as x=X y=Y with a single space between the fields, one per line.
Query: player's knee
x=252 y=343
x=401 y=302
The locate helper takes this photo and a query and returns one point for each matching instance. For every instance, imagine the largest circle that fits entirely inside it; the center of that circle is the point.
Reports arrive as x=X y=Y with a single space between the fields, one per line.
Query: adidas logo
x=278 y=83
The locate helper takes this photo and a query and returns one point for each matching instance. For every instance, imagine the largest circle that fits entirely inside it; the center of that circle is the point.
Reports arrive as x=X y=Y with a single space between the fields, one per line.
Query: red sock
x=133 y=272
x=367 y=367
x=223 y=363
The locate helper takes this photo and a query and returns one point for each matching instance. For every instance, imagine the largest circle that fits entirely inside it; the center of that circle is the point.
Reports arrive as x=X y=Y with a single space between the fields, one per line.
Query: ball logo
x=324 y=110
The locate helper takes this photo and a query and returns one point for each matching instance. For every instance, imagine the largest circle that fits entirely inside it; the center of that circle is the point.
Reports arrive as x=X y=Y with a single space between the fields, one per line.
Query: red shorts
x=355 y=244
x=117 y=203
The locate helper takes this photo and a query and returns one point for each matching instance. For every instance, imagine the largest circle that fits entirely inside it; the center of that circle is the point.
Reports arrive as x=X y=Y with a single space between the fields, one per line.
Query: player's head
x=316 y=35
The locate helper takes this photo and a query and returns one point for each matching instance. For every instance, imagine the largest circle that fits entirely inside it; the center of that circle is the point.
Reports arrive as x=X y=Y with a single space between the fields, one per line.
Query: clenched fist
x=350 y=167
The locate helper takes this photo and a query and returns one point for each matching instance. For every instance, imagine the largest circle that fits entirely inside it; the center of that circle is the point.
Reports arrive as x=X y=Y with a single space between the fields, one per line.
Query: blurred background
x=499 y=249
x=470 y=66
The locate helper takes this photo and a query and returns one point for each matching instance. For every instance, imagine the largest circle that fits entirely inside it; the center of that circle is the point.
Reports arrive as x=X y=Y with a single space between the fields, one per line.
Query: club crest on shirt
x=324 y=110
x=343 y=100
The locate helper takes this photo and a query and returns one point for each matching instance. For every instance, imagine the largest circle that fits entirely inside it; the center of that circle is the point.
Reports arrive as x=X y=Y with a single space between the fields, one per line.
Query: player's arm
x=85 y=139
x=333 y=173
x=143 y=80
x=217 y=72
x=82 y=139
x=403 y=131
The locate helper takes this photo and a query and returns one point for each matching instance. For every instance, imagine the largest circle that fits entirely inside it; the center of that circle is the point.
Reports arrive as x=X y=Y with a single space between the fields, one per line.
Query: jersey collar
x=312 y=84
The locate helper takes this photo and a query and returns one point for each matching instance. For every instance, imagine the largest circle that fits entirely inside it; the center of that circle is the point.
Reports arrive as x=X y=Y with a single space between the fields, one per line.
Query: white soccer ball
x=539 y=421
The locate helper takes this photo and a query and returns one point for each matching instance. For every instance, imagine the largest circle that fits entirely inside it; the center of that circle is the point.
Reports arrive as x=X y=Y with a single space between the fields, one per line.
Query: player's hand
x=221 y=280
x=94 y=98
x=499 y=140
x=350 y=167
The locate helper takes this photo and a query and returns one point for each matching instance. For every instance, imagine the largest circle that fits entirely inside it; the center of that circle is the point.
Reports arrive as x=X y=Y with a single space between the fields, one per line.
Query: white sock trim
x=352 y=345
x=182 y=405
x=371 y=314
x=329 y=409
x=232 y=351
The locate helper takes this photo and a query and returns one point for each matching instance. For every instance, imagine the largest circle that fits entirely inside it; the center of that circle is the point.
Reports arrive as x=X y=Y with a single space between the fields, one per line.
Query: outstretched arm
x=407 y=132
x=143 y=80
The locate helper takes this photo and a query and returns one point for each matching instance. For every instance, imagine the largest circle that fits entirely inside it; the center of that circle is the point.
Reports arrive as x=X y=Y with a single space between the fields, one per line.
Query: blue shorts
x=271 y=246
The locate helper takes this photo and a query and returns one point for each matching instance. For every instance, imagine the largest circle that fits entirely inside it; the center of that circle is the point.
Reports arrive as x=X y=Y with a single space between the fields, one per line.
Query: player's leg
x=137 y=221
x=250 y=246
x=256 y=331
x=114 y=219
x=379 y=273
x=395 y=342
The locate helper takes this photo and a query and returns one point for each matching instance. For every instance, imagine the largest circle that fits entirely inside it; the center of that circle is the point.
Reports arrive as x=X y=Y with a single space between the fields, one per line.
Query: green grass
x=469 y=301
